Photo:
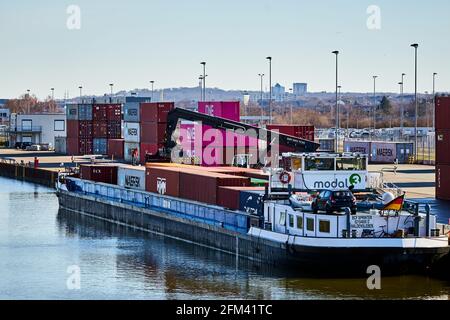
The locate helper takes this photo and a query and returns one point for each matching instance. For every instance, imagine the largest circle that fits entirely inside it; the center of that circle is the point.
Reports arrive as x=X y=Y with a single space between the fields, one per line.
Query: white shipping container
x=128 y=151
x=131 y=177
x=131 y=132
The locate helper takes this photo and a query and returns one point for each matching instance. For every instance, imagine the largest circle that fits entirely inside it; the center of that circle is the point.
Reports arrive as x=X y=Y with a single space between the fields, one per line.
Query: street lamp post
x=204 y=80
x=53 y=93
x=81 y=93
x=261 y=75
x=401 y=104
x=201 y=87
x=270 y=88
x=416 y=46
x=339 y=108
x=374 y=105
x=434 y=100
x=337 y=104
x=402 y=108
x=291 y=91
x=153 y=86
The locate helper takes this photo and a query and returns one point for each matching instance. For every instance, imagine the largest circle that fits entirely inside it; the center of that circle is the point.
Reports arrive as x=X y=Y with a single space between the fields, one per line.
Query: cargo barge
x=187 y=203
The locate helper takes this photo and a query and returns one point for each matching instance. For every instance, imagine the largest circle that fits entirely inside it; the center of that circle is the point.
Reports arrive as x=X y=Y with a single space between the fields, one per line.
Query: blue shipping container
x=100 y=146
x=252 y=202
x=131 y=112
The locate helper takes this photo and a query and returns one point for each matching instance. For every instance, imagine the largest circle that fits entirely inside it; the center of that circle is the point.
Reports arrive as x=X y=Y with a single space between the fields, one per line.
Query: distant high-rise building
x=278 y=92
x=300 y=89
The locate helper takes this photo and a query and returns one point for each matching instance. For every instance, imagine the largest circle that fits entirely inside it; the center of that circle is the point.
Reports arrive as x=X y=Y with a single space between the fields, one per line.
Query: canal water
x=50 y=254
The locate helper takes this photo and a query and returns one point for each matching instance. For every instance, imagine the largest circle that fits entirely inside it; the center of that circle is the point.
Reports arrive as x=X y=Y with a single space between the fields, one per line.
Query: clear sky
x=132 y=42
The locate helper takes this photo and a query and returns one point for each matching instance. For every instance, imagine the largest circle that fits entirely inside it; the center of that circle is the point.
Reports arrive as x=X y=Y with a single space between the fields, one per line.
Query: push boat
x=280 y=227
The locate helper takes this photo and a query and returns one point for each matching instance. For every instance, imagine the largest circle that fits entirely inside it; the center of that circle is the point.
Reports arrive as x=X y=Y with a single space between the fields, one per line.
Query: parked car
x=333 y=201
x=34 y=147
x=22 y=145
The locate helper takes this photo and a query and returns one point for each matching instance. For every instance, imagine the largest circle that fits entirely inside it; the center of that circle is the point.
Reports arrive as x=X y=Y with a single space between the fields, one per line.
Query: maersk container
x=362 y=147
x=131 y=132
x=72 y=112
x=128 y=150
x=442 y=113
x=131 y=177
x=100 y=146
x=131 y=112
x=383 y=152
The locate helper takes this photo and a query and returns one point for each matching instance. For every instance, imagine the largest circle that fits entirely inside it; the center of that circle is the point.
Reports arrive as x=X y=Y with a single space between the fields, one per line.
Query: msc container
x=153 y=132
x=131 y=177
x=100 y=129
x=404 y=151
x=115 y=129
x=163 y=180
x=72 y=112
x=100 y=112
x=114 y=112
x=128 y=150
x=443 y=147
x=131 y=112
x=73 y=129
x=85 y=112
x=442 y=113
x=357 y=147
x=150 y=149
x=383 y=152
x=116 y=148
x=155 y=112
x=61 y=145
x=131 y=132
x=99 y=173
x=222 y=109
x=252 y=201
x=100 y=146
x=443 y=182
x=202 y=186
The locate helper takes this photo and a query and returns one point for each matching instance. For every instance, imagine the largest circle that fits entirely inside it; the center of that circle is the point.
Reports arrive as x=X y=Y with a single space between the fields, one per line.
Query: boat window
x=319 y=164
x=324 y=226
x=351 y=164
x=291 y=221
x=299 y=222
x=296 y=164
x=282 y=218
x=310 y=224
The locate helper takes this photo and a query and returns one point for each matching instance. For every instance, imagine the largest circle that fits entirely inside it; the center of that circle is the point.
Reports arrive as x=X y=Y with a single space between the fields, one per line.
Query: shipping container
x=131 y=132
x=85 y=129
x=153 y=132
x=99 y=173
x=116 y=148
x=163 y=180
x=114 y=112
x=72 y=112
x=131 y=112
x=131 y=177
x=100 y=129
x=149 y=149
x=61 y=145
x=135 y=99
x=115 y=129
x=327 y=145
x=86 y=146
x=443 y=147
x=128 y=150
x=100 y=112
x=85 y=112
x=362 y=147
x=252 y=201
x=155 y=112
x=443 y=182
x=404 y=151
x=302 y=132
x=209 y=183
x=230 y=197
x=222 y=109
x=100 y=146
x=73 y=129
x=442 y=113
x=383 y=152
x=72 y=146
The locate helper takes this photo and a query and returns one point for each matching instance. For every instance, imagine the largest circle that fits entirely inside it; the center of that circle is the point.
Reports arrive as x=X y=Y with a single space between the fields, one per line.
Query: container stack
x=442 y=148
x=131 y=129
x=153 y=127
x=89 y=127
x=381 y=152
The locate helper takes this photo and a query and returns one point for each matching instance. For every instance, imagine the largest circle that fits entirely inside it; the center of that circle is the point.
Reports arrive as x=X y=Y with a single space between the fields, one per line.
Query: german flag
x=395 y=205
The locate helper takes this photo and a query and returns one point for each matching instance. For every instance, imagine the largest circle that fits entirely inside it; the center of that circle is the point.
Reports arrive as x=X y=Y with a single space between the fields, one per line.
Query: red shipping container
x=116 y=148
x=150 y=149
x=86 y=146
x=443 y=182
x=114 y=112
x=85 y=129
x=303 y=132
x=165 y=181
x=153 y=132
x=100 y=112
x=99 y=173
x=72 y=146
x=100 y=129
x=73 y=129
x=202 y=186
x=155 y=111
x=443 y=147
x=115 y=129
x=442 y=113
